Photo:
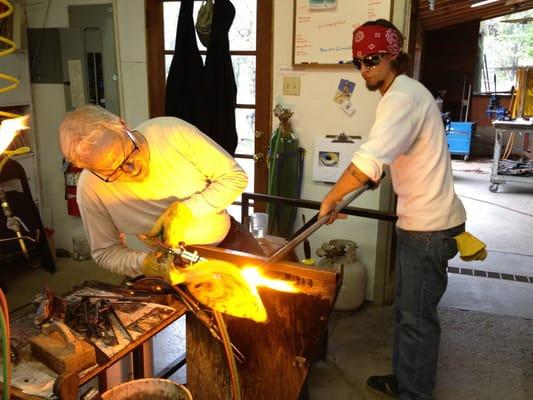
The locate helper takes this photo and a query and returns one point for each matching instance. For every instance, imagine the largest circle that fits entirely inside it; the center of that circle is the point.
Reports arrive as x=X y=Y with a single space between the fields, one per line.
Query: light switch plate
x=291 y=85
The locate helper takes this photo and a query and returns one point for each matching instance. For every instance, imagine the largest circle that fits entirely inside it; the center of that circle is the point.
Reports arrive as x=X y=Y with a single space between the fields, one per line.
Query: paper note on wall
x=75 y=76
x=331 y=158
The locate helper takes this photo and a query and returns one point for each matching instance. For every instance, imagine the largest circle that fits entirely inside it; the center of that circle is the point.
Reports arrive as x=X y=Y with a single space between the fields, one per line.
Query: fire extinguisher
x=72 y=174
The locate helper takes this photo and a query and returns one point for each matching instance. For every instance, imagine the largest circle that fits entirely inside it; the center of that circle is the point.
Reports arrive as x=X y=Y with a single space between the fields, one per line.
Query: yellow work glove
x=172 y=223
x=162 y=265
x=470 y=247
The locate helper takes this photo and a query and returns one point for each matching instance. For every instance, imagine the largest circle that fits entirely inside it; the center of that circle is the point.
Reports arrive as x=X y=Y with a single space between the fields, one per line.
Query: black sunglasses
x=118 y=171
x=370 y=61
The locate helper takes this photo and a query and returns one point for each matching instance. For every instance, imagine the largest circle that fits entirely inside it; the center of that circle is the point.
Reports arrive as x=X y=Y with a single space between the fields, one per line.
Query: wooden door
x=251 y=50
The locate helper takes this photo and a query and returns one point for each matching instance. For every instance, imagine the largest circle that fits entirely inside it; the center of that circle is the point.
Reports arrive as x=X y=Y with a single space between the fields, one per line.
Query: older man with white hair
x=164 y=176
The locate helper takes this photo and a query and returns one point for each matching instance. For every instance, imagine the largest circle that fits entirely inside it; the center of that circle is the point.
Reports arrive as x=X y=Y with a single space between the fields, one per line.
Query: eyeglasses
x=118 y=171
x=370 y=61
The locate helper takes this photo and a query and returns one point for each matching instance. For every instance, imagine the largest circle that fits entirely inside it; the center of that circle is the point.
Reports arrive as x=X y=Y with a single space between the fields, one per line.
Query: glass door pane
x=245 y=120
x=242 y=34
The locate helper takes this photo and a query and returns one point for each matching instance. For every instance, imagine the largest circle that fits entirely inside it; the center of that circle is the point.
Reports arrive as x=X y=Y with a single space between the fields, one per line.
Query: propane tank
x=339 y=253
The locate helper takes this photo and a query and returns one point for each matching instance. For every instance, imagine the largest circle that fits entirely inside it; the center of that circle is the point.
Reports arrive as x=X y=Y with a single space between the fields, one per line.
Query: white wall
x=49 y=104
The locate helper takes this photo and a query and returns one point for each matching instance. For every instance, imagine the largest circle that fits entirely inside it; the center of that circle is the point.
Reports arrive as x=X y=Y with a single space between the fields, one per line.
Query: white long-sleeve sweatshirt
x=185 y=165
x=408 y=135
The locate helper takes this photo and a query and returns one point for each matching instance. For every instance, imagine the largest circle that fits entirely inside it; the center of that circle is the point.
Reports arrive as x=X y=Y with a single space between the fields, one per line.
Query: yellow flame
x=221 y=286
x=256 y=278
x=9 y=128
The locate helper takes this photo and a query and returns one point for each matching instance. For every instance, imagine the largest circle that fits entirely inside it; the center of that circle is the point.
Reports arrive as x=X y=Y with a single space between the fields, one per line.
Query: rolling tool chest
x=459 y=136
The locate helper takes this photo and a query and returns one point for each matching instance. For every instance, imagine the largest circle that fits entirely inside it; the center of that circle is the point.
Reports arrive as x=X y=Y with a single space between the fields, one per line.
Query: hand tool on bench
x=60 y=350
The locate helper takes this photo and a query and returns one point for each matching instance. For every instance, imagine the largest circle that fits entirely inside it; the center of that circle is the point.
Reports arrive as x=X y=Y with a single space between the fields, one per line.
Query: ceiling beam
x=450 y=12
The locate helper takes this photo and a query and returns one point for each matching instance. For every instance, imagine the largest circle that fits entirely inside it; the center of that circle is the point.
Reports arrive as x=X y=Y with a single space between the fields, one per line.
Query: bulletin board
x=323 y=29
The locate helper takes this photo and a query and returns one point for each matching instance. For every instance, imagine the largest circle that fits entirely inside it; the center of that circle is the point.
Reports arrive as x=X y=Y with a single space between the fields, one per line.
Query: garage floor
x=487 y=322
x=487 y=343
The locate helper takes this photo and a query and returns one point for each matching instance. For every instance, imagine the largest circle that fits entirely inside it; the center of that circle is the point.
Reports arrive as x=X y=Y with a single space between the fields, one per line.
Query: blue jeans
x=421 y=279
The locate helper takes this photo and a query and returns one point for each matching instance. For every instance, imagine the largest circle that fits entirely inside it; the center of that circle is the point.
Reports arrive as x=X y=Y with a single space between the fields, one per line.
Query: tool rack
x=524 y=128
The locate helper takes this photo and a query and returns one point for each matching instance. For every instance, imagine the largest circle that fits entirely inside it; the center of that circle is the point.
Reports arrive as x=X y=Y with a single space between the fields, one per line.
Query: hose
x=232 y=365
x=11 y=47
x=6 y=351
x=12 y=83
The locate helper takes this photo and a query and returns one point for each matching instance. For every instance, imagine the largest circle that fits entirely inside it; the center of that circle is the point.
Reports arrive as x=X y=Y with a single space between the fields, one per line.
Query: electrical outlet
x=291 y=85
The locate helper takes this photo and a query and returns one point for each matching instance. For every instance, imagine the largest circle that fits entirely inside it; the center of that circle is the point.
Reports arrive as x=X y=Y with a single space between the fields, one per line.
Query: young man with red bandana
x=408 y=136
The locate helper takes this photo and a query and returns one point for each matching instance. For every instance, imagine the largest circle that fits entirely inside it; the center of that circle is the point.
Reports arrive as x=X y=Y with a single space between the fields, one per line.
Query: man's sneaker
x=387 y=385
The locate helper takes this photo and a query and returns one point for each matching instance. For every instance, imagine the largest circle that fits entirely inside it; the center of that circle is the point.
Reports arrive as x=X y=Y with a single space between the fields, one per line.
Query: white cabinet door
x=16 y=65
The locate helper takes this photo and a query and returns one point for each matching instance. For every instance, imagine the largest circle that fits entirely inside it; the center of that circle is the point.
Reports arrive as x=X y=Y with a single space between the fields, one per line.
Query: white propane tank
x=339 y=253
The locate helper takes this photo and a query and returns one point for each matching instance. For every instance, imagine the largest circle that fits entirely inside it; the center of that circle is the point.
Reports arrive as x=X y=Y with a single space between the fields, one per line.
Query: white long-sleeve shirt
x=408 y=135
x=185 y=165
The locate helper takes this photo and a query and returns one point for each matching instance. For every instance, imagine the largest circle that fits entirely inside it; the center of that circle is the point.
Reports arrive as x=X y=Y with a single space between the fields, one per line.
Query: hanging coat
x=186 y=73
x=204 y=96
x=220 y=93
x=285 y=170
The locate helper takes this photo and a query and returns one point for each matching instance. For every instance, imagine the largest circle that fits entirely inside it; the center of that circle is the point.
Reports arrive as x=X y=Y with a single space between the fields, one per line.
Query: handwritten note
x=324 y=35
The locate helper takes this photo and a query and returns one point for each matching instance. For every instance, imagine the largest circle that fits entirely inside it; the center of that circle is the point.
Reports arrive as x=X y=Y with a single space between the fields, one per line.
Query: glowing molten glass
x=9 y=128
x=256 y=278
x=224 y=287
x=221 y=286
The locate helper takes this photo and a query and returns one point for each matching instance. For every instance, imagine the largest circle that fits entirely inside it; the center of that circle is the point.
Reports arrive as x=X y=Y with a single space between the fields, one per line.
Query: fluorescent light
x=482 y=3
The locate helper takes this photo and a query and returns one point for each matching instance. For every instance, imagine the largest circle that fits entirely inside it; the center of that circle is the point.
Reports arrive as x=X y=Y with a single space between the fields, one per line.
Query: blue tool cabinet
x=459 y=135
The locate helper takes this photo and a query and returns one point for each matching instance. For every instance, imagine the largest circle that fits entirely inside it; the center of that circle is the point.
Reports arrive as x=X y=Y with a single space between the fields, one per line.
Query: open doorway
x=476 y=79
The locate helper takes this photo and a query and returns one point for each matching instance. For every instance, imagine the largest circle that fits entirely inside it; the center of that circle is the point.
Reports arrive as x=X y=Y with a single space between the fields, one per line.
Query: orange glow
x=255 y=278
x=9 y=128
x=221 y=286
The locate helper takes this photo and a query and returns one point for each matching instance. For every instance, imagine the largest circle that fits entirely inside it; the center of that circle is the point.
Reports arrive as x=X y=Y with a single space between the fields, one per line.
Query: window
x=506 y=44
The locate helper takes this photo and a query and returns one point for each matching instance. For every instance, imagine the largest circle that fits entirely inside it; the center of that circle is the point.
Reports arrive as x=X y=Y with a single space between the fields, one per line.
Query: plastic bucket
x=149 y=388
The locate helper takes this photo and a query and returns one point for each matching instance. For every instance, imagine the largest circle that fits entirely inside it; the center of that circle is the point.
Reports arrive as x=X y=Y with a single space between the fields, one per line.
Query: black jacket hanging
x=204 y=96
x=185 y=76
x=220 y=87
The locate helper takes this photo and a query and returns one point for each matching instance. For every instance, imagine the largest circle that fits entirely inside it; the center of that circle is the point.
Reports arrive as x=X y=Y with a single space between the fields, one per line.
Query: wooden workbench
x=278 y=354
x=23 y=328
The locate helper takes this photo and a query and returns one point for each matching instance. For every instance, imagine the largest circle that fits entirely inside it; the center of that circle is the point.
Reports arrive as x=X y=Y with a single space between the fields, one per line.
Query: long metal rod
x=468 y=102
x=281 y=252
x=310 y=204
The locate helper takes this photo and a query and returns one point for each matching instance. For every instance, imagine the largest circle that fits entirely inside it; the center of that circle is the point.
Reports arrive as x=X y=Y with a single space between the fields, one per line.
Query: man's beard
x=374 y=86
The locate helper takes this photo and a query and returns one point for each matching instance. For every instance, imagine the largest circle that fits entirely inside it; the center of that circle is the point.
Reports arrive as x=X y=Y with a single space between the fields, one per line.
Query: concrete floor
x=487 y=342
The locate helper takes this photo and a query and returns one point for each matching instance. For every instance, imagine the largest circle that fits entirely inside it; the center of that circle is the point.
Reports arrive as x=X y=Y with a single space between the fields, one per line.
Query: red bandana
x=374 y=39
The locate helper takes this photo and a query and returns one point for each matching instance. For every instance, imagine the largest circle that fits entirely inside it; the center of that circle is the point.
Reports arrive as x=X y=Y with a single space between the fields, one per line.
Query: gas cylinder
x=340 y=253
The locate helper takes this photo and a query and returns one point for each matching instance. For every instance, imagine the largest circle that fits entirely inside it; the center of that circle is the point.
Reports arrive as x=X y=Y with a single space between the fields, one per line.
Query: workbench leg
x=497 y=153
x=102 y=381
x=138 y=363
